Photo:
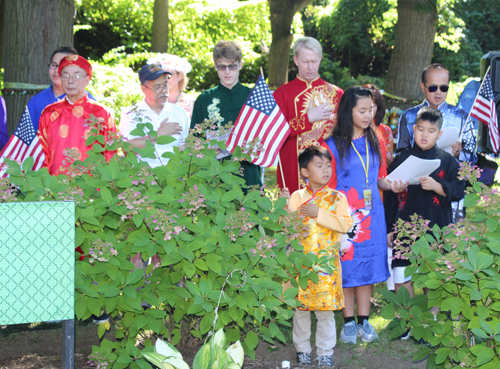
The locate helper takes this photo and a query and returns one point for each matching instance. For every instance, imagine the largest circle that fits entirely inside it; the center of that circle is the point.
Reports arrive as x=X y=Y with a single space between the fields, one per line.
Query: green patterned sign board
x=37 y=261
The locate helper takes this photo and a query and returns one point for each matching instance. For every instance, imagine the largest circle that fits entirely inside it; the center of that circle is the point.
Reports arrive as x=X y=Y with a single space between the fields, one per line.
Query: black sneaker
x=325 y=361
x=405 y=335
x=303 y=358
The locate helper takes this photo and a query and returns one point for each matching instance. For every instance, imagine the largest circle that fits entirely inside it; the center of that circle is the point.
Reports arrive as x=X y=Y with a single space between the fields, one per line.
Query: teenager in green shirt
x=222 y=104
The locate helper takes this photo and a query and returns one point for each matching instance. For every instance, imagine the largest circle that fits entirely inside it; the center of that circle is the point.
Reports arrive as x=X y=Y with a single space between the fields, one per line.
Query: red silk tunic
x=63 y=125
x=294 y=100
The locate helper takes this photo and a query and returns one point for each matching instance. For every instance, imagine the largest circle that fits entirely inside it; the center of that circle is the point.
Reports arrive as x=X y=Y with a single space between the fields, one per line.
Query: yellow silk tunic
x=333 y=218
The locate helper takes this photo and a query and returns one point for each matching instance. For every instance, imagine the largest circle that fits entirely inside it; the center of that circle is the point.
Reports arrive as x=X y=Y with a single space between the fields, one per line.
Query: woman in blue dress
x=358 y=172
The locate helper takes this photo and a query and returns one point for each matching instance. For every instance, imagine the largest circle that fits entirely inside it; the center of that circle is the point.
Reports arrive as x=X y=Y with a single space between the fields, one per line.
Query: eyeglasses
x=434 y=88
x=66 y=77
x=160 y=88
x=53 y=66
x=222 y=67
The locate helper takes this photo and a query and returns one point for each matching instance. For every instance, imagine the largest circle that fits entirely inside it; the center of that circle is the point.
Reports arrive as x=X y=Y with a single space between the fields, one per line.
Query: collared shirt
x=221 y=104
x=38 y=102
x=452 y=117
x=142 y=113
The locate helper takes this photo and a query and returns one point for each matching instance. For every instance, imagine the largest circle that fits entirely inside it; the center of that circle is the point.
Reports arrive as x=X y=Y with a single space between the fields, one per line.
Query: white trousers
x=390 y=280
x=326 y=333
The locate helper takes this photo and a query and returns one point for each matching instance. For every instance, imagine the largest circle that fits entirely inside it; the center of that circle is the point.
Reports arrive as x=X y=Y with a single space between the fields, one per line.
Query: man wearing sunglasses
x=435 y=85
x=167 y=119
x=222 y=104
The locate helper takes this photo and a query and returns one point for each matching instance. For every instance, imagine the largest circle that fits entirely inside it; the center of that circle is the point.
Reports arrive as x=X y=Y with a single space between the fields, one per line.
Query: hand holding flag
x=260 y=118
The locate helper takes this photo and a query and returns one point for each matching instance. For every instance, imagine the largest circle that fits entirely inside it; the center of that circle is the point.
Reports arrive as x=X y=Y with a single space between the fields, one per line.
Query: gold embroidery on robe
x=320 y=129
x=63 y=131
x=77 y=111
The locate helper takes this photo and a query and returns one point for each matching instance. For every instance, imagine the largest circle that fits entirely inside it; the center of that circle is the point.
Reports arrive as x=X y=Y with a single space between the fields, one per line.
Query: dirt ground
x=40 y=347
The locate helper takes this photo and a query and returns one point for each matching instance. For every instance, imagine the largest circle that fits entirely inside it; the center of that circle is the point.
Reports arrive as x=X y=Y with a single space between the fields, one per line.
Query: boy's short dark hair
x=307 y=155
x=64 y=50
x=229 y=50
x=432 y=115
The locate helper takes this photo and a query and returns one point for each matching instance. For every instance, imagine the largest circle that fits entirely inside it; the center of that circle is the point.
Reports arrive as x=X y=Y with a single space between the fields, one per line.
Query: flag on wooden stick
x=484 y=110
x=260 y=118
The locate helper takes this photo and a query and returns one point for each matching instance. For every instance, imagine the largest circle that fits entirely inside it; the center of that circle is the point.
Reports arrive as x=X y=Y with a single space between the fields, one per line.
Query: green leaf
x=101 y=329
x=482 y=312
x=188 y=268
x=441 y=354
x=135 y=276
x=106 y=195
x=404 y=296
x=137 y=219
x=202 y=358
x=28 y=164
x=154 y=358
x=471 y=200
x=479 y=332
x=464 y=275
x=486 y=327
x=421 y=354
x=483 y=353
x=165 y=140
x=252 y=340
x=491 y=223
x=433 y=284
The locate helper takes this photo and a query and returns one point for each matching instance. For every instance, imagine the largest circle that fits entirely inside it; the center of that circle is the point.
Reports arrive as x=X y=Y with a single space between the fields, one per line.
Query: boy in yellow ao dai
x=327 y=214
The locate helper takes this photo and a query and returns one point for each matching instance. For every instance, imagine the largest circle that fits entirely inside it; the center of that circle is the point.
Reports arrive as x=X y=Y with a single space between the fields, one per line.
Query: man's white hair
x=309 y=43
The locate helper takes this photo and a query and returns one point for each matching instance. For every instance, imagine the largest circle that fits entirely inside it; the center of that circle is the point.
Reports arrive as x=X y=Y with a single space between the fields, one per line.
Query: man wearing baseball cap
x=64 y=124
x=167 y=119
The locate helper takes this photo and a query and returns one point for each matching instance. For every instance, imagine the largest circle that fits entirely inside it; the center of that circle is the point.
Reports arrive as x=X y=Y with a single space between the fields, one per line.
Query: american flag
x=260 y=118
x=484 y=110
x=22 y=144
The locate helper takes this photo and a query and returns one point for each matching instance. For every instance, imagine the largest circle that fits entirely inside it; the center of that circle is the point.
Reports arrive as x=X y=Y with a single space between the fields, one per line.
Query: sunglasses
x=433 y=88
x=222 y=67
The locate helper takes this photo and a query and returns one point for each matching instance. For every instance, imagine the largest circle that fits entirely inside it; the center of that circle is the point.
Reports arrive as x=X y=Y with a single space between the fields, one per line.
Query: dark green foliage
x=348 y=35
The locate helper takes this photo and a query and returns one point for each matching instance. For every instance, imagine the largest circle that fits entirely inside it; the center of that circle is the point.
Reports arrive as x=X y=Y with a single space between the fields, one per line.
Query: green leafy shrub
x=116 y=86
x=459 y=264
x=198 y=222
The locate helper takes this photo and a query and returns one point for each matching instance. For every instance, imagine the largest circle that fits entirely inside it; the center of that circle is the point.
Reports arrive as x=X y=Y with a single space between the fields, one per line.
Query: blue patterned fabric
x=452 y=117
x=364 y=260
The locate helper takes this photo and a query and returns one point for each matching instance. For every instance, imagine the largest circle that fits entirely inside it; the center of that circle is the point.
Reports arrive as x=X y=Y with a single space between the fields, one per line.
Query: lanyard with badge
x=367 y=192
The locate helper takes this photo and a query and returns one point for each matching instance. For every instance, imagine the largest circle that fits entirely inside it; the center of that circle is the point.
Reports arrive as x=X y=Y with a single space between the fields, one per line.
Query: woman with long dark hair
x=359 y=170
x=383 y=130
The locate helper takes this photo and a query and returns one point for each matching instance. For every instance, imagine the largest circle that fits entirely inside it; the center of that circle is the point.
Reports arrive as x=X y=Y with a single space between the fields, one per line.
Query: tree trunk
x=413 y=47
x=2 y=31
x=282 y=12
x=159 y=41
x=36 y=28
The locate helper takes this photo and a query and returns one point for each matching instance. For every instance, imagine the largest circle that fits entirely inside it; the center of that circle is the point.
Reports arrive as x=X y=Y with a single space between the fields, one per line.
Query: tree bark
x=35 y=29
x=413 y=47
x=282 y=12
x=2 y=31
x=159 y=40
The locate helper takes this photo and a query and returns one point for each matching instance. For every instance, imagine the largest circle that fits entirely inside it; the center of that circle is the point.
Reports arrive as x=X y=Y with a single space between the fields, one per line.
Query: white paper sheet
x=448 y=138
x=413 y=168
